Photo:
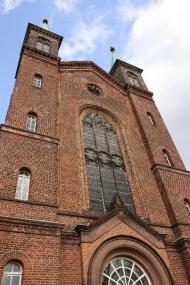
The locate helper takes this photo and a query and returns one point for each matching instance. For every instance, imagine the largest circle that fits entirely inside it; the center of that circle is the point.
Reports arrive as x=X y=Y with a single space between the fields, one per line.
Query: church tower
x=92 y=188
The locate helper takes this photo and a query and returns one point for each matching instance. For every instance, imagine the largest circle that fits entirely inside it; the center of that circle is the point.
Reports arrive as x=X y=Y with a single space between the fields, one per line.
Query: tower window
x=133 y=79
x=31 y=122
x=43 y=44
x=106 y=175
x=187 y=205
x=12 y=274
x=151 y=118
x=37 y=81
x=23 y=183
x=167 y=158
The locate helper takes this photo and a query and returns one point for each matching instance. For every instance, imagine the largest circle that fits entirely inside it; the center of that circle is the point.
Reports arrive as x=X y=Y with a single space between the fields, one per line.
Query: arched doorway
x=127 y=261
x=124 y=271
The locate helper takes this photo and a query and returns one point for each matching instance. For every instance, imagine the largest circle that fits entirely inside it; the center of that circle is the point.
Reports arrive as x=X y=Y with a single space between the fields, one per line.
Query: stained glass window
x=105 y=167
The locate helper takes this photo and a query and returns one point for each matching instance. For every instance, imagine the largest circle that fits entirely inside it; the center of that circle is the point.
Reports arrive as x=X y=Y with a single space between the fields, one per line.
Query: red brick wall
x=58 y=188
x=27 y=98
x=20 y=150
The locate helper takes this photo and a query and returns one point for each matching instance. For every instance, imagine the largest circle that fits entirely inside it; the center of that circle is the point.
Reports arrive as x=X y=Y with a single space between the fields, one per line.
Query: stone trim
x=156 y=167
x=28 y=134
x=42 y=31
x=77 y=65
x=119 y=62
x=28 y=202
x=131 y=248
x=122 y=214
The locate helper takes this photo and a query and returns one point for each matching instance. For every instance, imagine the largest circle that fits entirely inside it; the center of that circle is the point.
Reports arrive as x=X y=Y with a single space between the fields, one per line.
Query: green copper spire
x=114 y=56
x=45 y=24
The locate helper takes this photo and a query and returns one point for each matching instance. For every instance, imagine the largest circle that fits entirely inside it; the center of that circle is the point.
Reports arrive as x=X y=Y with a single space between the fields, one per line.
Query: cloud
x=8 y=5
x=159 y=41
x=65 y=5
x=127 y=11
x=85 y=38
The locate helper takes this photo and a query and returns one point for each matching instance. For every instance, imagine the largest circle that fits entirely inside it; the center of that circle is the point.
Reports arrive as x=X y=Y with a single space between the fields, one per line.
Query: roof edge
x=120 y=62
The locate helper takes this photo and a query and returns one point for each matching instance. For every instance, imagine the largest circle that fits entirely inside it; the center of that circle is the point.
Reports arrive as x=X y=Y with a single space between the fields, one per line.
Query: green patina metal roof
x=45 y=24
x=114 y=55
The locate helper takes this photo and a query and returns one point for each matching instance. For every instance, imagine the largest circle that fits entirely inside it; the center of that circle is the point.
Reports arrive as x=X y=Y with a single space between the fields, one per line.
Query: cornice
x=90 y=65
x=28 y=134
x=84 y=215
x=28 y=202
x=179 y=243
x=115 y=212
x=157 y=167
x=134 y=90
x=37 y=54
x=42 y=31
x=42 y=53
x=124 y=88
x=26 y=225
x=120 y=62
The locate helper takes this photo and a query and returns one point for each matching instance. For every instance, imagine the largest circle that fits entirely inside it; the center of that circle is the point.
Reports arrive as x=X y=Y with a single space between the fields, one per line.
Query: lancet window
x=106 y=174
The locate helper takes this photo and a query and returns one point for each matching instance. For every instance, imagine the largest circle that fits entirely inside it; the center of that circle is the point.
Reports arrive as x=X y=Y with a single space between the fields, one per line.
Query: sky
x=151 y=34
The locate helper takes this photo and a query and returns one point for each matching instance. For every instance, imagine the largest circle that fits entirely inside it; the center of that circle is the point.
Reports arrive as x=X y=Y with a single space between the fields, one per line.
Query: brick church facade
x=92 y=188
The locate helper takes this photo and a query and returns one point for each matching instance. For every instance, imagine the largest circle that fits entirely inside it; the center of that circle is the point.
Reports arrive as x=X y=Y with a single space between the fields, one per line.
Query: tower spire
x=114 y=57
x=45 y=24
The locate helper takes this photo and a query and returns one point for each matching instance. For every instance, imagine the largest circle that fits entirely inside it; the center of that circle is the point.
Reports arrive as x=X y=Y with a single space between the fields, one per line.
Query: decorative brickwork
x=55 y=234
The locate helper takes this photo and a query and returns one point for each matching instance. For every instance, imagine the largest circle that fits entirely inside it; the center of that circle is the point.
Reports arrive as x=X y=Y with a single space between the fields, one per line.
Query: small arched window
x=43 y=44
x=23 y=184
x=12 y=274
x=167 y=157
x=187 y=205
x=133 y=79
x=151 y=118
x=31 y=122
x=37 y=81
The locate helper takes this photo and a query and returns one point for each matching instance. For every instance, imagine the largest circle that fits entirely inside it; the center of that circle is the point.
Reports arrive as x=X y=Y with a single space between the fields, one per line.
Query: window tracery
x=105 y=167
x=94 y=89
x=123 y=271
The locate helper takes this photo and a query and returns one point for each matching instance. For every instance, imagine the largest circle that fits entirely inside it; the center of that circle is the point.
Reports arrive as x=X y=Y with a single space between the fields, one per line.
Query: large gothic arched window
x=106 y=175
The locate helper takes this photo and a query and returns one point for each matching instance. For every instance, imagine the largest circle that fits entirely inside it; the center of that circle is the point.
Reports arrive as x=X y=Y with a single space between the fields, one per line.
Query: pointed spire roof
x=45 y=24
x=114 y=55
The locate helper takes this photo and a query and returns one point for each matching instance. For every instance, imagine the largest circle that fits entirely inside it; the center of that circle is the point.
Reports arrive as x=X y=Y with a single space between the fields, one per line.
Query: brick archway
x=134 y=249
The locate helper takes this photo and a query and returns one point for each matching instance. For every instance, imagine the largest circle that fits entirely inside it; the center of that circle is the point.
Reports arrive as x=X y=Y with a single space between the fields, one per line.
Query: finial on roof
x=45 y=23
x=114 y=57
